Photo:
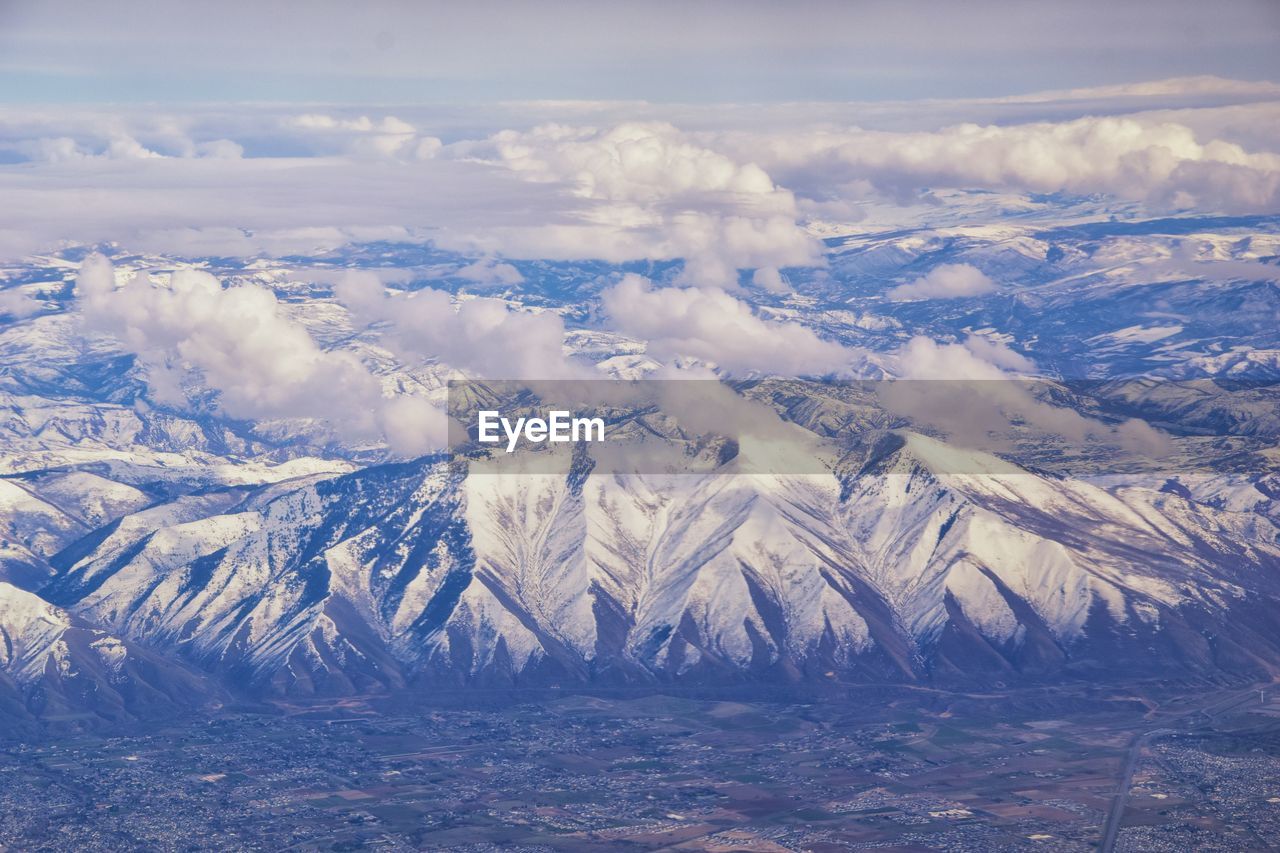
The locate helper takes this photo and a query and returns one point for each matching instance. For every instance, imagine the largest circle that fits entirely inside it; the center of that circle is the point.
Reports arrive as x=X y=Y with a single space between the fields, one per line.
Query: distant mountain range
x=155 y=559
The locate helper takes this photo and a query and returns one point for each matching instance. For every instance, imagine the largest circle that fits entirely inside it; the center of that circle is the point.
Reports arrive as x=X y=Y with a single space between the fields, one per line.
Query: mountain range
x=155 y=558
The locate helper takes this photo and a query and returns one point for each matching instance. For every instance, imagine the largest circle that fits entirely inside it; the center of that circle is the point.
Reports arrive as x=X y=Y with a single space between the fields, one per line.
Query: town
x=903 y=768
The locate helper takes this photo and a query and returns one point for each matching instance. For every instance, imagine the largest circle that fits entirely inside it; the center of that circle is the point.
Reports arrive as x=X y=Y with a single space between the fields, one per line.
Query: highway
x=1210 y=712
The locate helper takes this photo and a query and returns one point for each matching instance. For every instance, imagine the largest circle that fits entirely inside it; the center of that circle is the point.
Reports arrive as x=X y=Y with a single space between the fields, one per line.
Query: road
x=1115 y=818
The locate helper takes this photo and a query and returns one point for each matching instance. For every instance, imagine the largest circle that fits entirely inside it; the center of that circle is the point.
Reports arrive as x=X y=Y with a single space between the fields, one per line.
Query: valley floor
x=903 y=770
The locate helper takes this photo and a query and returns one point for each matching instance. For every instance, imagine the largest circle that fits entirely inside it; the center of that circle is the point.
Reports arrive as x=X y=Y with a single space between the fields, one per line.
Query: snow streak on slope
x=421 y=572
x=52 y=663
x=254 y=551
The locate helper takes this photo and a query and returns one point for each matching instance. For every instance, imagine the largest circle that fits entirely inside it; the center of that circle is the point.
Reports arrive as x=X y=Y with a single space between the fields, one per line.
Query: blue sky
x=388 y=52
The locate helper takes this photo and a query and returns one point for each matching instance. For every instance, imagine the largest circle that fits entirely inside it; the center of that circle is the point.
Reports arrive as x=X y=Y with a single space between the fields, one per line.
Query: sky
x=688 y=52
x=714 y=133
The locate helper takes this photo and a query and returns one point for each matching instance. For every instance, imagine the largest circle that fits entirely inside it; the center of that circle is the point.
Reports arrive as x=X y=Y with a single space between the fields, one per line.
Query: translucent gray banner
x=1079 y=428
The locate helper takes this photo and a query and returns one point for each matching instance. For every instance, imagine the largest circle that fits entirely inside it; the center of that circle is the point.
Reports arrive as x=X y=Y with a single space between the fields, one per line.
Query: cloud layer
x=722 y=210
x=647 y=190
x=731 y=193
x=713 y=326
x=482 y=337
x=238 y=343
x=710 y=51
x=948 y=281
x=1162 y=163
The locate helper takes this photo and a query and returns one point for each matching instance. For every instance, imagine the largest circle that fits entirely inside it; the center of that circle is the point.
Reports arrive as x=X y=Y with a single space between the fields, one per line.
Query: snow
x=30 y=633
x=1138 y=334
x=259 y=553
x=112 y=653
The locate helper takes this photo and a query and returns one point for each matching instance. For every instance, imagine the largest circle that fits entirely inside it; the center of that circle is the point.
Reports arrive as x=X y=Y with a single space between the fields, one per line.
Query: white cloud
x=427 y=147
x=482 y=337
x=924 y=358
x=488 y=271
x=361 y=136
x=768 y=278
x=60 y=149
x=220 y=149
x=128 y=148
x=239 y=343
x=361 y=124
x=999 y=354
x=713 y=326
x=1159 y=162
x=965 y=392
x=649 y=191
x=948 y=281
x=251 y=180
x=63 y=149
x=640 y=162
x=18 y=304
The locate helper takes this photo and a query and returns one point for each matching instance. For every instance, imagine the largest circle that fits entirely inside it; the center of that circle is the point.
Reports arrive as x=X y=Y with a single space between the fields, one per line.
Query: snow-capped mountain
x=269 y=557
x=53 y=663
x=895 y=570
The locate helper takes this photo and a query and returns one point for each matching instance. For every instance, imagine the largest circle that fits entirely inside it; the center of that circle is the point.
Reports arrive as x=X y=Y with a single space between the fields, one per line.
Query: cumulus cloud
x=361 y=124
x=252 y=180
x=362 y=136
x=59 y=149
x=649 y=191
x=220 y=149
x=1159 y=162
x=713 y=326
x=924 y=358
x=482 y=337
x=18 y=305
x=64 y=149
x=633 y=162
x=488 y=271
x=769 y=278
x=998 y=353
x=128 y=148
x=60 y=135
x=966 y=392
x=948 y=281
x=240 y=344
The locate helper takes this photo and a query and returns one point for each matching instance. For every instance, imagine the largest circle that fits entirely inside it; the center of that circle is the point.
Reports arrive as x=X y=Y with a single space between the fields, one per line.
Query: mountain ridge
x=403 y=576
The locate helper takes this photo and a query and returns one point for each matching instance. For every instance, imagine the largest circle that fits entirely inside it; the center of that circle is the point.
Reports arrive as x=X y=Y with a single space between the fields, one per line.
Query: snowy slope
x=266 y=555
x=53 y=663
x=899 y=569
